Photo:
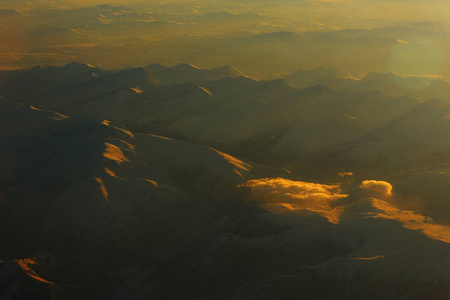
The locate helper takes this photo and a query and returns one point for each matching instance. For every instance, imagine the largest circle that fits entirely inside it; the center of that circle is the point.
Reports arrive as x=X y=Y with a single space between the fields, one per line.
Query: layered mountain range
x=226 y=149
x=179 y=182
x=301 y=120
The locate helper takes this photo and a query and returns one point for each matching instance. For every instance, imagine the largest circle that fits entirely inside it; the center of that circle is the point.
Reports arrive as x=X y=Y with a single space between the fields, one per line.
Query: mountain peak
x=40 y=67
x=185 y=66
x=78 y=66
x=227 y=71
x=155 y=67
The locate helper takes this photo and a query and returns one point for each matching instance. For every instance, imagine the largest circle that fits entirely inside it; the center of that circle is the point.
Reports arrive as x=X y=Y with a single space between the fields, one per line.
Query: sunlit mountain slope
x=88 y=207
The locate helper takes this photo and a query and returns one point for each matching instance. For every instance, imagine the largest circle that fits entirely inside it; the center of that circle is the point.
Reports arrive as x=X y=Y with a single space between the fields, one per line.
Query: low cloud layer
x=279 y=193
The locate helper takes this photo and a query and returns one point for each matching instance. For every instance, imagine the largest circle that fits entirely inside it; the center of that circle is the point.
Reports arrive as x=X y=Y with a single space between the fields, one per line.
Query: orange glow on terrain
x=369 y=258
x=345 y=174
x=114 y=153
x=136 y=90
x=102 y=188
x=26 y=265
x=152 y=182
x=239 y=164
x=108 y=123
x=109 y=172
x=412 y=220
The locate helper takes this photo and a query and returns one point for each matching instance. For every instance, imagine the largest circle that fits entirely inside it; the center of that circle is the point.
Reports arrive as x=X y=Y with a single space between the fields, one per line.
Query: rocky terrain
x=141 y=184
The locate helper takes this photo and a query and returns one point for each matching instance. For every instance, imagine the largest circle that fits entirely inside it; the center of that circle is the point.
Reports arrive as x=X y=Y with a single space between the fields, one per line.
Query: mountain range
x=91 y=209
x=172 y=182
x=226 y=149
x=278 y=122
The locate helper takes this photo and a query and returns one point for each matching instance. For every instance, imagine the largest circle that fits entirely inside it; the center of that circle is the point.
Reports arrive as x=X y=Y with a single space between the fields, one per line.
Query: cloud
x=382 y=188
x=278 y=194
